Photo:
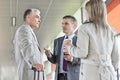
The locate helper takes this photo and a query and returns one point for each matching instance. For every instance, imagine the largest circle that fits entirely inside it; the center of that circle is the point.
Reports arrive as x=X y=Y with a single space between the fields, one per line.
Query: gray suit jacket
x=26 y=52
x=73 y=67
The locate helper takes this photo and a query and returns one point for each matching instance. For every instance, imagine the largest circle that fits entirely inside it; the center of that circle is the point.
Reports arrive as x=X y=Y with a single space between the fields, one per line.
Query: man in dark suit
x=67 y=66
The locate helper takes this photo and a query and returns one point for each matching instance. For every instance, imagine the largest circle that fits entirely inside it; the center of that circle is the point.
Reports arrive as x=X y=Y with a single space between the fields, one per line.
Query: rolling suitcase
x=35 y=71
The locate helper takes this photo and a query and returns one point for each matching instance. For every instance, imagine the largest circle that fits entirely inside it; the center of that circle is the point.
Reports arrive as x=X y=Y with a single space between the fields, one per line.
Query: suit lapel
x=34 y=36
x=36 y=41
x=60 y=42
x=74 y=40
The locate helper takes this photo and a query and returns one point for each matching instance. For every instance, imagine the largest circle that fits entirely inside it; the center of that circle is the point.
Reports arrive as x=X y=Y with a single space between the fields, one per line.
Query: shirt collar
x=29 y=27
x=70 y=36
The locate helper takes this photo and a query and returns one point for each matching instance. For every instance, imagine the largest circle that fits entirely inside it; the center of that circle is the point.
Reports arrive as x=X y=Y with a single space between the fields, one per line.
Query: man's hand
x=47 y=52
x=67 y=57
x=39 y=67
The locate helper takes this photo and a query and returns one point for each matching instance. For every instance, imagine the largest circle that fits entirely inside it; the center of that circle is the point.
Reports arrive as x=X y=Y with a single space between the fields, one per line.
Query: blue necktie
x=64 y=61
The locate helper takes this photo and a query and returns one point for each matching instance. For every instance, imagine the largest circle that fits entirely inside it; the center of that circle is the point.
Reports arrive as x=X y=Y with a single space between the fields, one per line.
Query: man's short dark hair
x=73 y=19
x=27 y=12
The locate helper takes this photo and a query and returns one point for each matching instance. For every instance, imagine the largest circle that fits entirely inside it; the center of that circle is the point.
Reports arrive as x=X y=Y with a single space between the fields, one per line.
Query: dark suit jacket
x=73 y=67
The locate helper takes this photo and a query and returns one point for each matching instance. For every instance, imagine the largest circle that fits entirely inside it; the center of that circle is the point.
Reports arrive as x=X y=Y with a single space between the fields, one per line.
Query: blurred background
x=52 y=11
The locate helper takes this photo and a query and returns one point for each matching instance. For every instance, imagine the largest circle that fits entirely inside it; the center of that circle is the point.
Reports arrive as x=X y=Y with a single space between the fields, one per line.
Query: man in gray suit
x=67 y=66
x=26 y=46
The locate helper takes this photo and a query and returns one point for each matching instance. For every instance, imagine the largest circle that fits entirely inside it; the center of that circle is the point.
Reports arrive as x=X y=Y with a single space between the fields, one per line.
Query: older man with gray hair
x=27 y=51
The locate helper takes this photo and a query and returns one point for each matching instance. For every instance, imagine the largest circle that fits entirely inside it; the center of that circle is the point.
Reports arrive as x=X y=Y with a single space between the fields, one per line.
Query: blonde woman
x=96 y=45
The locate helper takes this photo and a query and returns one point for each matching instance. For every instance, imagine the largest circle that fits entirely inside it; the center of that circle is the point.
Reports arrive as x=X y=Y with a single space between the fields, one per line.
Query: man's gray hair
x=29 y=11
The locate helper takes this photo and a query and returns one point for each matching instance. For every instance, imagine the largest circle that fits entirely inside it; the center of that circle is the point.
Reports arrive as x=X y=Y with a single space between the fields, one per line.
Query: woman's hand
x=67 y=43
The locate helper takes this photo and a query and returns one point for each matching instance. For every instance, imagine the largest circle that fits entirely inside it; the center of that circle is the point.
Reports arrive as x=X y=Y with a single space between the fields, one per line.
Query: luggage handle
x=118 y=75
x=34 y=69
